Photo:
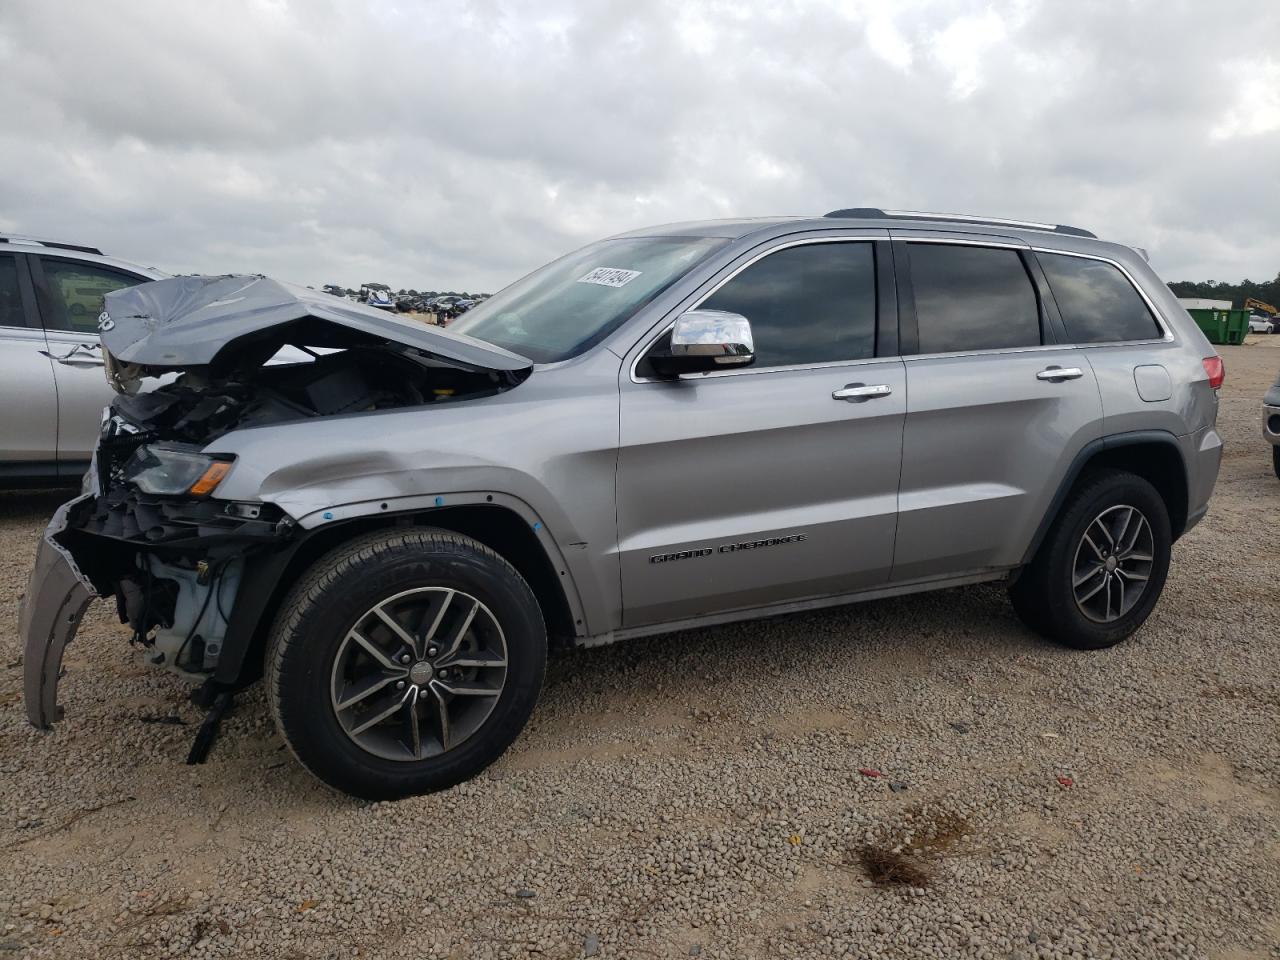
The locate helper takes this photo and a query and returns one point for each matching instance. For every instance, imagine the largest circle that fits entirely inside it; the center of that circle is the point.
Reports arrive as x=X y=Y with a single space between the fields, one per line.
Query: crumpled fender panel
x=48 y=618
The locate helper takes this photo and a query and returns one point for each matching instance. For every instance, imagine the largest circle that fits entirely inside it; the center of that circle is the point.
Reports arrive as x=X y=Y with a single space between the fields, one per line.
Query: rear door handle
x=1054 y=374
x=860 y=392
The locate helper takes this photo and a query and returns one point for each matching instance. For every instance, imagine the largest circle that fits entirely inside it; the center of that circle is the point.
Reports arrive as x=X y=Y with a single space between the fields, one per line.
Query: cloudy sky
x=458 y=145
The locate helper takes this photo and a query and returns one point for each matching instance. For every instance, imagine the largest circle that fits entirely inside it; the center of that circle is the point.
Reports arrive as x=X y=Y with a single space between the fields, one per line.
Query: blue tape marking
x=439 y=501
x=328 y=514
x=537 y=524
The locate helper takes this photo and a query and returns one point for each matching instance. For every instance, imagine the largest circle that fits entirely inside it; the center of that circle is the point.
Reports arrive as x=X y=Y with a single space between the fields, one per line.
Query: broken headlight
x=173 y=468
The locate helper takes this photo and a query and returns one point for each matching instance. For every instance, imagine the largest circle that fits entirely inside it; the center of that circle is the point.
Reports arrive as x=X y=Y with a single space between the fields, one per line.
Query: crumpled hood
x=198 y=320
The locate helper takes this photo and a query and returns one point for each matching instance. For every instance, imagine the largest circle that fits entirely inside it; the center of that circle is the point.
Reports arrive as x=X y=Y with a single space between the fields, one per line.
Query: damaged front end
x=192 y=574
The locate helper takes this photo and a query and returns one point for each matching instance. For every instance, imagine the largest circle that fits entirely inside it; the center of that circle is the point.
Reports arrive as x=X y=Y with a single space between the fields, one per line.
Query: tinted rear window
x=1097 y=302
x=972 y=298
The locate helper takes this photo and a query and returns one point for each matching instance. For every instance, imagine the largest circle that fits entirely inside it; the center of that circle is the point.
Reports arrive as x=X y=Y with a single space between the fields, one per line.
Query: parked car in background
x=377 y=295
x=51 y=365
x=334 y=290
x=1261 y=324
x=672 y=428
x=1271 y=423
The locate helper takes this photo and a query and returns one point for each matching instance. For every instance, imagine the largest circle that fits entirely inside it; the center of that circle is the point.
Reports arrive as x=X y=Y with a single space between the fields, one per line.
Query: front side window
x=1097 y=302
x=76 y=291
x=812 y=303
x=567 y=306
x=972 y=298
x=11 y=313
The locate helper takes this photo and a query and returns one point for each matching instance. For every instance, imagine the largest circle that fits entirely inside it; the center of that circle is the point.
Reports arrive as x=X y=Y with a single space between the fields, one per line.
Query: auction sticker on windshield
x=610 y=276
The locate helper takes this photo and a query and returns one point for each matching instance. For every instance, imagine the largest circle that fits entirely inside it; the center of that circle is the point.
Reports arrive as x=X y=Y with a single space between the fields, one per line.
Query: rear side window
x=972 y=298
x=813 y=303
x=76 y=291
x=11 y=313
x=1097 y=302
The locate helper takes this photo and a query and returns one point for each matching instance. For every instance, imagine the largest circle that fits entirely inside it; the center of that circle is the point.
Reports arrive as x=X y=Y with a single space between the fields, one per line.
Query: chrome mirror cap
x=721 y=337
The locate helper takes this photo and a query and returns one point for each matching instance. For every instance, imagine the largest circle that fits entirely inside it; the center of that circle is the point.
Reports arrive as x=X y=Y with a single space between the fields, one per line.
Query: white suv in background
x=50 y=359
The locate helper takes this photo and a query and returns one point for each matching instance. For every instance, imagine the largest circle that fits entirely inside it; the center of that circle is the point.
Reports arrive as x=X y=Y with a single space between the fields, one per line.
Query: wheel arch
x=1153 y=455
x=269 y=578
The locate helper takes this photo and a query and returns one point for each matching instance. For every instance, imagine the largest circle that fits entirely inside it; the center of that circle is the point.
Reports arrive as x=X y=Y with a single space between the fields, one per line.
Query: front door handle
x=860 y=392
x=1057 y=374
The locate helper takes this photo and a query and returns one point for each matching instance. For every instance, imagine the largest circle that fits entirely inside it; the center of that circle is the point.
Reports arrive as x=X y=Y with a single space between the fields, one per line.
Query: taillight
x=1216 y=370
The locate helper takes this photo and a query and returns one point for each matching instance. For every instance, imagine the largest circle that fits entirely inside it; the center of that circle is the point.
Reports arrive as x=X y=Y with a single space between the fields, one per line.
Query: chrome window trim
x=1001 y=244
x=996 y=351
x=716 y=374
x=1165 y=328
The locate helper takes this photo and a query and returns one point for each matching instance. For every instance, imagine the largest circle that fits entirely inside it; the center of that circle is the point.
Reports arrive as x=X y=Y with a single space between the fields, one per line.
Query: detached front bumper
x=48 y=618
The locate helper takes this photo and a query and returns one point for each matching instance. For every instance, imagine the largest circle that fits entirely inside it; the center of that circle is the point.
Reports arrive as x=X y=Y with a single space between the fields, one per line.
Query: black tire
x=1044 y=595
x=1275 y=460
x=329 y=601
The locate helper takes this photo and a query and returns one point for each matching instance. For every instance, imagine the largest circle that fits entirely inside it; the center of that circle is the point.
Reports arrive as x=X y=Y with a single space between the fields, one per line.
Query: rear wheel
x=405 y=662
x=1102 y=567
x=1275 y=460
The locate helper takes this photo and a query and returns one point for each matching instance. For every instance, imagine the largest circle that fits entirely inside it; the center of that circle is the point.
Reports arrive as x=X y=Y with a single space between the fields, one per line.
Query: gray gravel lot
x=701 y=793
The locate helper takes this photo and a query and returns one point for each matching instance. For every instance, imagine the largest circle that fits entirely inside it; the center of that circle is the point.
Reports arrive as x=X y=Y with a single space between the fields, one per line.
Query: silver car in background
x=675 y=427
x=50 y=358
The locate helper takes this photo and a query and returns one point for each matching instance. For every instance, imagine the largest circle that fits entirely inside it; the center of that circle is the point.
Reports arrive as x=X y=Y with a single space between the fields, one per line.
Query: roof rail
x=875 y=213
x=53 y=244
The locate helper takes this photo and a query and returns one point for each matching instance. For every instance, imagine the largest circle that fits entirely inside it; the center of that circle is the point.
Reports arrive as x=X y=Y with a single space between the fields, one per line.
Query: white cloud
x=1257 y=101
x=462 y=143
x=964 y=45
x=888 y=42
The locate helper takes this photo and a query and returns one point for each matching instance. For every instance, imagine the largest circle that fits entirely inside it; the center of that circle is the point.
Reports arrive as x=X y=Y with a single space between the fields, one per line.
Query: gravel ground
x=701 y=794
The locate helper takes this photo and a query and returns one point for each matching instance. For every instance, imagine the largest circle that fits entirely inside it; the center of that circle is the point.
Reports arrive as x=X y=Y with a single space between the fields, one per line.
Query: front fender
x=581 y=589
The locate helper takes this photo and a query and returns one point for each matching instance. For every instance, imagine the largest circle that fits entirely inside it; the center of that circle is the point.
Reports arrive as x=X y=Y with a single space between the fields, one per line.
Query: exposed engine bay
x=177 y=592
x=230 y=354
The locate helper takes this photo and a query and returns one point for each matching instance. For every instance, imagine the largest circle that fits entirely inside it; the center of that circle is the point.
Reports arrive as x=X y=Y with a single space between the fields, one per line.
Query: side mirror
x=703 y=340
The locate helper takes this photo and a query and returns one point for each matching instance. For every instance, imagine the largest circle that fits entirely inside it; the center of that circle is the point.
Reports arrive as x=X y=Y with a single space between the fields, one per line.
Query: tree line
x=1268 y=291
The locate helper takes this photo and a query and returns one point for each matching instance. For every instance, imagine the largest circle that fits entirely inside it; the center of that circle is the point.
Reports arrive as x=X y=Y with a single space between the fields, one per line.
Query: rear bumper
x=1202 y=452
x=48 y=618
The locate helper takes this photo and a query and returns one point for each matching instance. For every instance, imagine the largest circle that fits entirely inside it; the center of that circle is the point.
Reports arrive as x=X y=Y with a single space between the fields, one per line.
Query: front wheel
x=405 y=661
x=1100 y=571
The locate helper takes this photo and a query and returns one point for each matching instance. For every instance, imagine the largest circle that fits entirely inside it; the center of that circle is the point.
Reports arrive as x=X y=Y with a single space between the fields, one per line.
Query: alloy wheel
x=1113 y=563
x=419 y=673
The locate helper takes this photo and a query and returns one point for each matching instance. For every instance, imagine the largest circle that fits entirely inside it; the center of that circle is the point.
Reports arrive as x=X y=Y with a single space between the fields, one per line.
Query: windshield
x=567 y=306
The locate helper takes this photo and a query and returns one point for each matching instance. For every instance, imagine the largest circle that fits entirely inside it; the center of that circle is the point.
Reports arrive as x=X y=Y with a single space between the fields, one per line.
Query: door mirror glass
x=703 y=340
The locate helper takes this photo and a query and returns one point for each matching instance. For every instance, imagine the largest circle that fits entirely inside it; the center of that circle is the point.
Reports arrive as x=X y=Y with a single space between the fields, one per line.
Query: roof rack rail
x=53 y=244
x=875 y=213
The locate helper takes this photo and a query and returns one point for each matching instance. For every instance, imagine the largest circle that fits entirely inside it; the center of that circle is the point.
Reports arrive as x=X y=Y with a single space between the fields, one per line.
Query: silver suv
x=50 y=361
x=681 y=426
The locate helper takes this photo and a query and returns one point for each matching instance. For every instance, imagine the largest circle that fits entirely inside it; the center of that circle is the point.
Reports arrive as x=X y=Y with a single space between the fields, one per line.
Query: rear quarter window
x=1097 y=302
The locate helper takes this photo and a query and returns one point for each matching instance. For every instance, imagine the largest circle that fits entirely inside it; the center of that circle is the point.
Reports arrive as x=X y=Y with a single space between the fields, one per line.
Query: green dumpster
x=1222 y=326
x=1237 y=325
x=1212 y=323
